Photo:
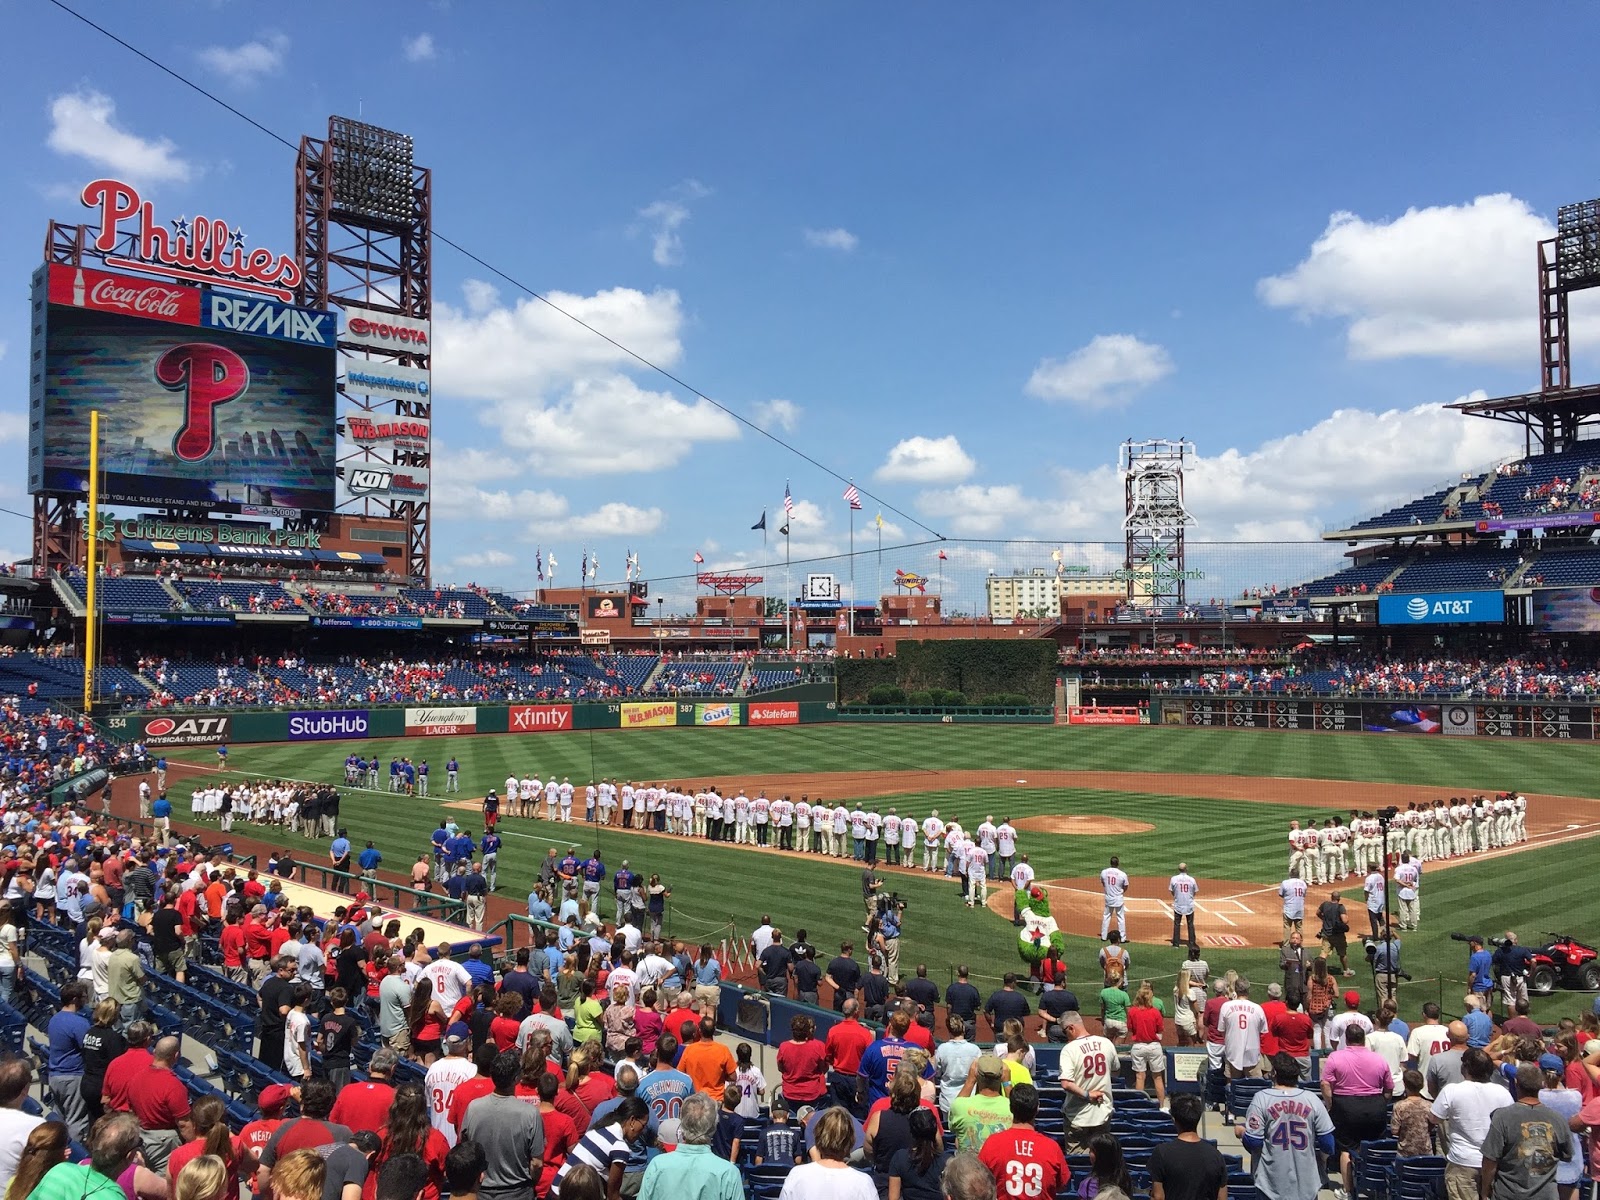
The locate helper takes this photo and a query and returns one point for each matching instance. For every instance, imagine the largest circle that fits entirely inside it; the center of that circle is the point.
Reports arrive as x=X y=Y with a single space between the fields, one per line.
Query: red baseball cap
x=1352 y=999
x=273 y=1098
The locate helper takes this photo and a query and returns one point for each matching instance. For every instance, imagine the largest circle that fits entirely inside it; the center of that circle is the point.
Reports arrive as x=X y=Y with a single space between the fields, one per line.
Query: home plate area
x=1228 y=913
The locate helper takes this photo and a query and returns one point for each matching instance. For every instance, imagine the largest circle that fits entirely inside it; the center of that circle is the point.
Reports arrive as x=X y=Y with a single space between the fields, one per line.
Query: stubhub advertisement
x=321 y=726
x=1442 y=608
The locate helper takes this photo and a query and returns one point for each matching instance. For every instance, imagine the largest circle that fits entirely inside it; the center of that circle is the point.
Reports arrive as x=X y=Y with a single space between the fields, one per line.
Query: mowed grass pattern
x=713 y=885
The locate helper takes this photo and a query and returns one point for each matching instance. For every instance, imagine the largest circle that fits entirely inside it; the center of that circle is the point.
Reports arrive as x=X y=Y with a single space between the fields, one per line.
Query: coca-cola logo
x=153 y=301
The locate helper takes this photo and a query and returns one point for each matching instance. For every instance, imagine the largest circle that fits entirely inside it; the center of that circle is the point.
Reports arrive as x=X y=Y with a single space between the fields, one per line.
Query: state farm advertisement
x=773 y=714
x=647 y=716
x=440 y=722
x=539 y=718
x=184 y=731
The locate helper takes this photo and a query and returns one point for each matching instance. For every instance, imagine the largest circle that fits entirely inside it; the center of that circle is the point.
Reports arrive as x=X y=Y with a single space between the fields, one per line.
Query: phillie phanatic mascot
x=1039 y=930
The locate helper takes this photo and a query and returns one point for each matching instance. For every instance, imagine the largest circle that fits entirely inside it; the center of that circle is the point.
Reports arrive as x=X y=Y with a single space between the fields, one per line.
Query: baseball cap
x=274 y=1097
x=108 y=934
x=1551 y=1062
x=1592 y=1046
x=362 y=897
x=1352 y=998
x=1274 y=990
x=990 y=1067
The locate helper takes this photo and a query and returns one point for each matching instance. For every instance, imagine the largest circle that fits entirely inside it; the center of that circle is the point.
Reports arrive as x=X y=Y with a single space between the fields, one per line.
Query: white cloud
x=559 y=397
x=832 y=239
x=13 y=426
x=248 y=63
x=1103 y=374
x=973 y=510
x=420 y=48
x=776 y=414
x=481 y=295
x=83 y=125
x=665 y=218
x=1451 y=281
x=926 y=460
x=486 y=558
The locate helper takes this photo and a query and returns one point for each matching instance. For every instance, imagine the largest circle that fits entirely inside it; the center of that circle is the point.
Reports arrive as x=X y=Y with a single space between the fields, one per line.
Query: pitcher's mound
x=1091 y=824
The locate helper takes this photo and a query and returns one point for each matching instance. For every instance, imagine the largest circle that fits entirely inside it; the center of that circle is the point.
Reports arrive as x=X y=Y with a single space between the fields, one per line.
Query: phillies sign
x=201 y=249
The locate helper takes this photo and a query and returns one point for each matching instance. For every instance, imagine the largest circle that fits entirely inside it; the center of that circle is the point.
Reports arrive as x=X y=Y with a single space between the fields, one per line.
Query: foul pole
x=93 y=560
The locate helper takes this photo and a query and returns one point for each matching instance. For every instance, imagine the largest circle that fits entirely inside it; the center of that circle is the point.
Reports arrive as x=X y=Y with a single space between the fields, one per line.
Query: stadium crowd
x=1545 y=674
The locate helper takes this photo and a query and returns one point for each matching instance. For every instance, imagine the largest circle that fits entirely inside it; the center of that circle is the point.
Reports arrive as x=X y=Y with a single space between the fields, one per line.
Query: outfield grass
x=1222 y=839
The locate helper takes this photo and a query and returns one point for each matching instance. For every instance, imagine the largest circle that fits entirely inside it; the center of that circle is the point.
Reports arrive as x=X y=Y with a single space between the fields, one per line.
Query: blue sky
x=956 y=252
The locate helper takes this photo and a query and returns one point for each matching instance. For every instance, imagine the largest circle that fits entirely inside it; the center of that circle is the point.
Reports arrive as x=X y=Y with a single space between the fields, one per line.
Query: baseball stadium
x=231 y=658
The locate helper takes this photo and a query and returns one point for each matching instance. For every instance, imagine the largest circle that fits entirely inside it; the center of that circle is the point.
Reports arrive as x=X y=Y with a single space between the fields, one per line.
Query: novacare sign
x=1442 y=608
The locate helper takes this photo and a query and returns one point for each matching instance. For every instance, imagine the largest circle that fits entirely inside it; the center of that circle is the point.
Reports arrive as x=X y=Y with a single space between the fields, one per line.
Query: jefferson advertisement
x=648 y=716
x=441 y=721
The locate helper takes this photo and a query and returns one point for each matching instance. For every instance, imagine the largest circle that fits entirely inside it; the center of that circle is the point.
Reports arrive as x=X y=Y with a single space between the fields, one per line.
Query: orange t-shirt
x=709 y=1064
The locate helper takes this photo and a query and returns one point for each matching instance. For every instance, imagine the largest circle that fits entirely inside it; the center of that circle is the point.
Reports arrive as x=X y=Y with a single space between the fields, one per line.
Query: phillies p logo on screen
x=208 y=375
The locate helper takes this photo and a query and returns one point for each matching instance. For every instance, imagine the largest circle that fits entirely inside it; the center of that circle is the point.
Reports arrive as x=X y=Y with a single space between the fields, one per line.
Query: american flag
x=788 y=501
x=852 y=497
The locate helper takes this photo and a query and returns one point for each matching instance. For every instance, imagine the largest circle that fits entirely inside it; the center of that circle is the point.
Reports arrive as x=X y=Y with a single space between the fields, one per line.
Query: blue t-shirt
x=162 y=808
x=1481 y=967
x=340 y=847
x=491 y=844
x=66 y=1030
x=730 y=1125
x=538 y=908
x=878 y=1064
x=1480 y=1028
x=369 y=859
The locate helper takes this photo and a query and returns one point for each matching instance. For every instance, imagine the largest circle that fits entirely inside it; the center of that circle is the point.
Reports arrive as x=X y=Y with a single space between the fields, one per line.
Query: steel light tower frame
x=364 y=236
x=1155 y=520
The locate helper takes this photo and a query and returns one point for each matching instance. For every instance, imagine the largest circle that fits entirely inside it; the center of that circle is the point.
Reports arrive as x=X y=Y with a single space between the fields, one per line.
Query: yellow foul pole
x=94 y=556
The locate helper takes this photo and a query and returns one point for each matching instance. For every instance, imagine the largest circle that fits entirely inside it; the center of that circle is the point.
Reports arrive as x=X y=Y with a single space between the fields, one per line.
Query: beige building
x=1038 y=591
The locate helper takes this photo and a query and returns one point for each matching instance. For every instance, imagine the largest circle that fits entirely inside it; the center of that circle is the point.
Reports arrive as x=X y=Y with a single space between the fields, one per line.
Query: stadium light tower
x=364 y=241
x=1155 y=519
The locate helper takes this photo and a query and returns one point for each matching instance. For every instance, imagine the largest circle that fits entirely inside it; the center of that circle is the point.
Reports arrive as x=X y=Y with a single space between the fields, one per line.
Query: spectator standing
x=1294 y=962
x=365 y=1105
x=952 y=1061
x=1023 y=1161
x=606 y=1149
x=1351 y=1018
x=692 y=1170
x=161 y=1103
x=1243 y=1022
x=1408 y=1121
x=125 y=981
x=1146 y=1024
x=1444 y=1066
x=1185 y=1168
x=1006 y=1004
x=962 y=999
x=846 y=1042
x=111 y=1153
x=1285 y=1130
x=1464 y=1110
x=1356 y=1085
x=802 y=1064
x=16 y=1076
x=1087 y=1066
x=511 y=1132
x=829 y=1175
x=66 y=1032
x=1526 y=1142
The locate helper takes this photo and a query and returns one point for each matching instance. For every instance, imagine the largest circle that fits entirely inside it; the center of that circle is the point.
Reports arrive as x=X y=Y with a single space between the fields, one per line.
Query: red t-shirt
x=1024 y=1163
x=186 y=1153
x=257 y=939
x=253 y=890
x=253 y=1138
x=503 y=1030
x=232 y=939
x=1211 y=1015
x=1145 y=1024
x=846 y=1042
x=1269 y=1042
x=560 y=1135
x=158 y=1098
x=920 y=1035
x=278 y=940
x=434 y=1150
x=466 y=1092
x=804 y=1068
x=120 y=1074
x=362 y=1106
x=1293 y=1031
x=595 y=1090
x=188 y=906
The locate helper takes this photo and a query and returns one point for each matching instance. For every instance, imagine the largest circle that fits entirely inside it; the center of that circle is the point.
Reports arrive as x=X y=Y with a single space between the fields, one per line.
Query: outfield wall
x=1553 y=721
x=160 y=731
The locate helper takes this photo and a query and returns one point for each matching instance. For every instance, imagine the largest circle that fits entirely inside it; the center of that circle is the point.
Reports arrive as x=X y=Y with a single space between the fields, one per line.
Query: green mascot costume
x=1039 y=930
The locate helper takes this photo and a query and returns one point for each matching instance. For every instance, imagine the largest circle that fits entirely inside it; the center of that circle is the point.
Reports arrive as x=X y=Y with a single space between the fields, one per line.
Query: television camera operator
x=890 y=911
x=1512 y=961
x=1383 y=956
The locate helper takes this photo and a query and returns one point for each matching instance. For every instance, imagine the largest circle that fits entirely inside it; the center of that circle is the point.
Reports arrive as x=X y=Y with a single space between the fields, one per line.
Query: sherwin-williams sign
x=716 y=714
x=646 y=716
x=1443 y=608
x=325 y=726
x=440 y=722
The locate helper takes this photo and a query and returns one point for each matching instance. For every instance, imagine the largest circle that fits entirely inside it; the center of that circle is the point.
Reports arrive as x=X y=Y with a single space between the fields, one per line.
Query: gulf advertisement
x=716 y=714
x=650 y=716
x=539 y=718
x=775 y=713
x=441 y=721
x=325 y=726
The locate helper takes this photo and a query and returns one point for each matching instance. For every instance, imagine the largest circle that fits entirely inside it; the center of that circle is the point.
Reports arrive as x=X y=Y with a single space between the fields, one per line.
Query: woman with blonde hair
x=48 y=1144
x=1146 y=1022
x=102 y=1044
x=829 y=1173
x=299 y=1176
x=917 y=1061
x=203 y=1178
x=1183 y=1017
x=618 y=1021
x=585 y=1080
x=1014 y=1051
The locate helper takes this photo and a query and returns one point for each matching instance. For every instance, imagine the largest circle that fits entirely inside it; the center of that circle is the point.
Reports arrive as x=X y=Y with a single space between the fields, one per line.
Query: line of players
x=803 y=826
x=1444 y=829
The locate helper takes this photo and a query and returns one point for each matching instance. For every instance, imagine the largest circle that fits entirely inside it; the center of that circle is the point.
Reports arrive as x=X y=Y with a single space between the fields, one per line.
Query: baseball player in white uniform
x=986 y=840
x=908 y=841
x=1021 y=881
x=1297 y=847
x=891 y=838
x=1185 y=890
x=1006 y=843
x=1114 y=883
x=932 y=839
x=977 y=874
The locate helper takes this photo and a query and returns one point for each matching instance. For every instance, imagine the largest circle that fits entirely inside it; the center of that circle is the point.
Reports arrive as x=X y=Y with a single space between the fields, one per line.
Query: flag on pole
x=583 y=566
x=878 y=521
x=698 y=557
x=788 y=500
x=552 y=564
x=943 y=556
x=761 y=524
x=785 y=529
x=633 y=564
x=538 y=563
x=594 y=565
x=852 y=497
